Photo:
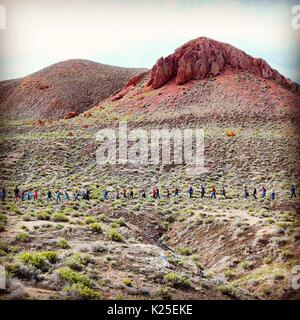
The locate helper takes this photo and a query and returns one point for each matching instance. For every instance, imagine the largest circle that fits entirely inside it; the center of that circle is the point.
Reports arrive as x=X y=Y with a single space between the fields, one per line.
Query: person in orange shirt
x=213 y=193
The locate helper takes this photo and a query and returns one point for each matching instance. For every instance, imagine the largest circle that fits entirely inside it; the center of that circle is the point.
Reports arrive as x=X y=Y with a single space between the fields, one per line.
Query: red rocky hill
x=213 y=81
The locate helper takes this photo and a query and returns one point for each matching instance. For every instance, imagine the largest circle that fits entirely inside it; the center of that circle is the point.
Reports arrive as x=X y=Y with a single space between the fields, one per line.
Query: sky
x=135 y=33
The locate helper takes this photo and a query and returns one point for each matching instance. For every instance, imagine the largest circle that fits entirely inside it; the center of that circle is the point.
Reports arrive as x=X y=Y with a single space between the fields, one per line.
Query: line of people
x=58 y=196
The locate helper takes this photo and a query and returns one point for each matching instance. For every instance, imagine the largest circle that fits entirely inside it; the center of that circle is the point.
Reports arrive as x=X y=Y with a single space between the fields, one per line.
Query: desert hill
x=213 y=80
x=68 y=86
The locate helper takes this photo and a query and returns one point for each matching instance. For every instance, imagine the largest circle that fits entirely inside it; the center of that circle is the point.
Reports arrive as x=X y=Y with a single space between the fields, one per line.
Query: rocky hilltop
x=204 y=58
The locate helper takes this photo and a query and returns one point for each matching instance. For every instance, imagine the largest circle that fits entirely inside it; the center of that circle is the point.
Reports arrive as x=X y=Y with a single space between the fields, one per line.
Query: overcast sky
x=136 y=33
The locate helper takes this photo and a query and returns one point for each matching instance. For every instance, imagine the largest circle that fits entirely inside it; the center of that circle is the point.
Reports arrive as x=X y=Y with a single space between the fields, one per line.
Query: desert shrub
x=128 y=282
x=209 y=220
x=228 y=291
x=184 y=251
x=163 y=293
x=39 y=260
x=73 y=277
x=78 y=261
x=245 y=264
x=3 y=218
x=43 y=215
x=286 y=254
x=13 y=269
x=118 y=223
x=90 y=219
x=62 y=243
x=267 y=260
x=59 y=217
x=229 y=273
x=114 y=235
x=278 y=275
x=177 y=280
x=81 y=292
x=96 y=227
x=23 y=237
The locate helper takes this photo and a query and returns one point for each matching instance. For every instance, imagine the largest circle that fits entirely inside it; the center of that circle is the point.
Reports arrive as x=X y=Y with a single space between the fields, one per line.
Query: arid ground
x=154 y=248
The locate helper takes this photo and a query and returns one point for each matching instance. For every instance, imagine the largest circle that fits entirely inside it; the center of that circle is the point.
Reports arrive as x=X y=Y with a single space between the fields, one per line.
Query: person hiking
x=293 y=192
x=130 y=194
x=143 y=194
x=168 y=194
x=224 y=192
x=124 y=193
x=58 y=196
x=87 y=194
x=35 y=195
x=157 y=193
x=202 y=191
x=255 y=193
x=49 y=196
x=105 y=195
x=191 y=191
x=273 y=195
x=76 y=196
x=213 y=193
x=118 y=193
x=67 y=197
x=263 y=192
x=3 y=194
x=154 y=195
x=29 y=195
x=246 y=193
x=83 y=194
x=176 y=192
x=17 y=193
x=22 y=195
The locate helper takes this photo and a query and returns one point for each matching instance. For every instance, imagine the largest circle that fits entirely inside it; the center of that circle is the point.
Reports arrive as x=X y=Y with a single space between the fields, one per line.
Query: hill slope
x=213 y=81
x=68 y=86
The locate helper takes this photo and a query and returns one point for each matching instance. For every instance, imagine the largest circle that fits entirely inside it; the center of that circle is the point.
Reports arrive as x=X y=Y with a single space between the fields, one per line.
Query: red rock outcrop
x=203 y=58
x=70 y=115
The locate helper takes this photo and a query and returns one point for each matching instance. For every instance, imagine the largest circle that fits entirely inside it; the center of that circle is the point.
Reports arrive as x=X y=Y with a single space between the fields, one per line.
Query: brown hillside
x=71 y=86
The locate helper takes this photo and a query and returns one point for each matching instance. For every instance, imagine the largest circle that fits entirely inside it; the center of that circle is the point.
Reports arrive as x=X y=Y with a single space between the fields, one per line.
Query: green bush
x=78 y=261
x=245 y=264
x=90 y=219
x=43 y=215
x=229 y=273
x=163 y=293
x=39 y=260
x=184 y=251
x=73 y=277
x=62 y=243
x=23 y=237
x=59 y=217
x=118 y=223
x=81 y=292
x=128 y=282
x=286 y=254
x=96 y=227
x=114 y=235
x=267 y=260
x=177 y=280
x=229 y=291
